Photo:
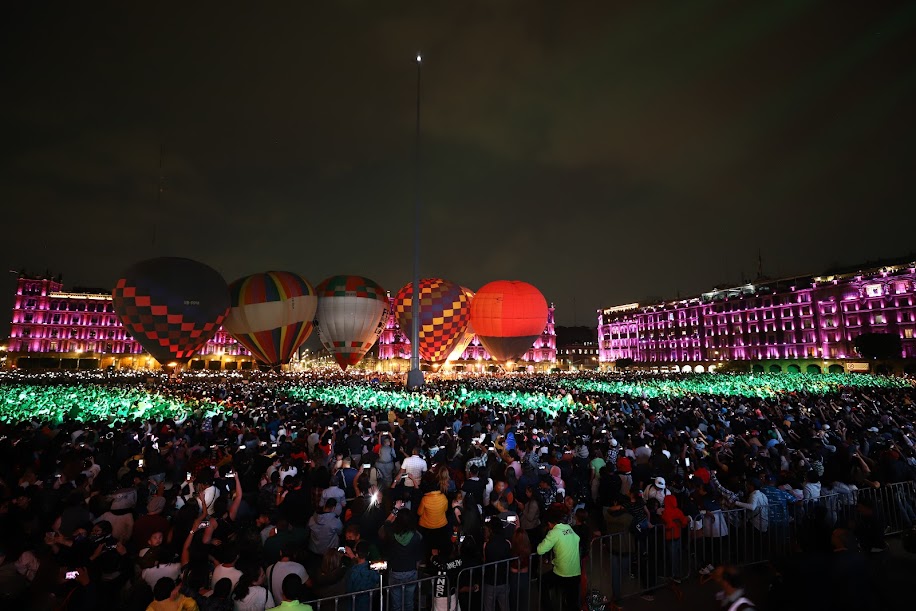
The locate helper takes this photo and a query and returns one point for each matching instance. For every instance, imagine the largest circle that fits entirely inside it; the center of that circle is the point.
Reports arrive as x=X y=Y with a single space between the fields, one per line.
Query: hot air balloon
x=271 y=314
x=352 y=313
x=444 y=314
x=171 y=306
x=507 y=316
x=464 y=340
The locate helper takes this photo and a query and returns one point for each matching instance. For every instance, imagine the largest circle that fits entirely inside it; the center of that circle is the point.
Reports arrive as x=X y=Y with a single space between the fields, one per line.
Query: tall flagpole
x=415 y=376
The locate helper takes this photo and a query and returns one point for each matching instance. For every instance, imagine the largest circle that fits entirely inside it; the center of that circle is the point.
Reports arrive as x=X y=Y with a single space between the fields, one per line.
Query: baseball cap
x=613 y=443
x=660 y=483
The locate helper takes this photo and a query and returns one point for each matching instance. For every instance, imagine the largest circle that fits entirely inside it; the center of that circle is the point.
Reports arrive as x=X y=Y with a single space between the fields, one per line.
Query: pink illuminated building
x=795 y=318
x=394 y=343
x=80 y=327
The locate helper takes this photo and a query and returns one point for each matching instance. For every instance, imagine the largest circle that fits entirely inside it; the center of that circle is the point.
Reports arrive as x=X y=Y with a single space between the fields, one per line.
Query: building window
x=880 y=319
x=873 y=290
x=30 y=303
x=908 y=333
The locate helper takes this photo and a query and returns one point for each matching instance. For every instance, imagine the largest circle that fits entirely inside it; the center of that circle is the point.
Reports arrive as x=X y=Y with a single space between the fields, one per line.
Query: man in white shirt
x=276 y=573
x=758 y=504
x=227 y=554
x=414 y=466
x=643 y=453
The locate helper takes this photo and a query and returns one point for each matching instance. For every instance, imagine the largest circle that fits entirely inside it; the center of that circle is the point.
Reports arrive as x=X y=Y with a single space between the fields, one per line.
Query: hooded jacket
x=673 y=519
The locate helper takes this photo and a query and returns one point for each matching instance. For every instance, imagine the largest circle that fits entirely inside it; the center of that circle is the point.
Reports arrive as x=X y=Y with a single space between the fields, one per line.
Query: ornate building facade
x=803 y=318
x=53 y=328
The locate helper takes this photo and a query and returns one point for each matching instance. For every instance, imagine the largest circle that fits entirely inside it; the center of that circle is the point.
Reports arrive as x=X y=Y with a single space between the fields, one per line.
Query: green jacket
x=565 y=545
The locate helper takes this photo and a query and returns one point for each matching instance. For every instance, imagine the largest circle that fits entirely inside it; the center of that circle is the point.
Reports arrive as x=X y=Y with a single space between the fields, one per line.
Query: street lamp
x=415 y=376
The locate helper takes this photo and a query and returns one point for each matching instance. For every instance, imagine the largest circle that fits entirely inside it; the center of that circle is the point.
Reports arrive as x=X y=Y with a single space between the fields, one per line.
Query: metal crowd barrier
x=621 y=565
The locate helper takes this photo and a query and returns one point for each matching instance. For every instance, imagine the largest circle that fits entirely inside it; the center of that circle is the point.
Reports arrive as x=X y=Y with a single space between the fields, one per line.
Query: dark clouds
x=603 y=151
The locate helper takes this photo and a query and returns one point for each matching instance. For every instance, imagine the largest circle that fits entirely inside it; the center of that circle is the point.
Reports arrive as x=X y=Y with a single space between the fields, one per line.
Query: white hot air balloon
x=352 y=312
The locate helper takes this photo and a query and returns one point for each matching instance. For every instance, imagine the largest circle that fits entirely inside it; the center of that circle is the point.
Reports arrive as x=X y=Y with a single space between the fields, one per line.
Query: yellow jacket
x=432 y=510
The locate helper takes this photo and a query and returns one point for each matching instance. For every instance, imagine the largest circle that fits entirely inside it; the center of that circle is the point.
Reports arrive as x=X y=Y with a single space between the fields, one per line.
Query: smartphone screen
x=687 y=461
x=366 y=465
x=188 y=474
x=72 y=574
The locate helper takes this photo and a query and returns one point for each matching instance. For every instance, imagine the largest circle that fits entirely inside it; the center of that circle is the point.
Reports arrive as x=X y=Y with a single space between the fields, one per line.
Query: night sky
x=605 y=152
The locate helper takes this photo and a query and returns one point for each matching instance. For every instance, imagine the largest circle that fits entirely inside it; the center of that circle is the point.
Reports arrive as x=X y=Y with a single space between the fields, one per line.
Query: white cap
x=613 y=443
x=660 y=483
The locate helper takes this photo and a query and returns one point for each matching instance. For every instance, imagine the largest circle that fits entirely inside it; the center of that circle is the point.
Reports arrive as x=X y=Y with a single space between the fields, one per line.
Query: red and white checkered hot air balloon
x=352 y=313
x=171 y=306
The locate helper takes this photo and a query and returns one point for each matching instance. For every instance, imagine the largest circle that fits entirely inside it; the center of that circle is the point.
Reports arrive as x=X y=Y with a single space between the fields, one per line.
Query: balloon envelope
x=352 y=313
x=271 y=314
x=507 y=316
x=171 y=306
x=444 y=311
x=464 y=340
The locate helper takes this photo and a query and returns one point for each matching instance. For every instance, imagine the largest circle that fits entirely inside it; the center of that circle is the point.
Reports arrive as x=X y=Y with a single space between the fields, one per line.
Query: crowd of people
x=271 y=501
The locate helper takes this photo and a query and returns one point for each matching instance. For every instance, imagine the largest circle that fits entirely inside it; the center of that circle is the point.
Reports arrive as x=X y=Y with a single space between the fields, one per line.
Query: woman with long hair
x=250 y=593
x=519 y=575
x=330 y=580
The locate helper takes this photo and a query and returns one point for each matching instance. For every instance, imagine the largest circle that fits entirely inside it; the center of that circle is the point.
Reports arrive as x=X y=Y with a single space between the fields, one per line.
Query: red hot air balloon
x=508 y=316
x=271 y=315
x=445 y=310
x=171 y=306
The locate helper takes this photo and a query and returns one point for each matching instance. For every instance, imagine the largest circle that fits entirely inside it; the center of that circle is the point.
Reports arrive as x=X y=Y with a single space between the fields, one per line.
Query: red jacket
x=673 y=519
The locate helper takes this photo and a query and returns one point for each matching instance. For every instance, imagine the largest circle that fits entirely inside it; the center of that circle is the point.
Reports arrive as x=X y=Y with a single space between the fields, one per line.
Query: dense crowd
x=216 y=493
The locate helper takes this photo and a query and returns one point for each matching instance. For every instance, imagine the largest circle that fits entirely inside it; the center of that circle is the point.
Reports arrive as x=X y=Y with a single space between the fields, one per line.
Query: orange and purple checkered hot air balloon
x=465 y=339
x=445 y=309
x=508 y=315
x=271 y=314
x=352 y=312
x=171 y=306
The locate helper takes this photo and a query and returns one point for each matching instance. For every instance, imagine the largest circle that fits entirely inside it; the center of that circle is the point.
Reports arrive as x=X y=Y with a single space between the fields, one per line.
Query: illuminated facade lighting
x=46 y=320
x=797 y=318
